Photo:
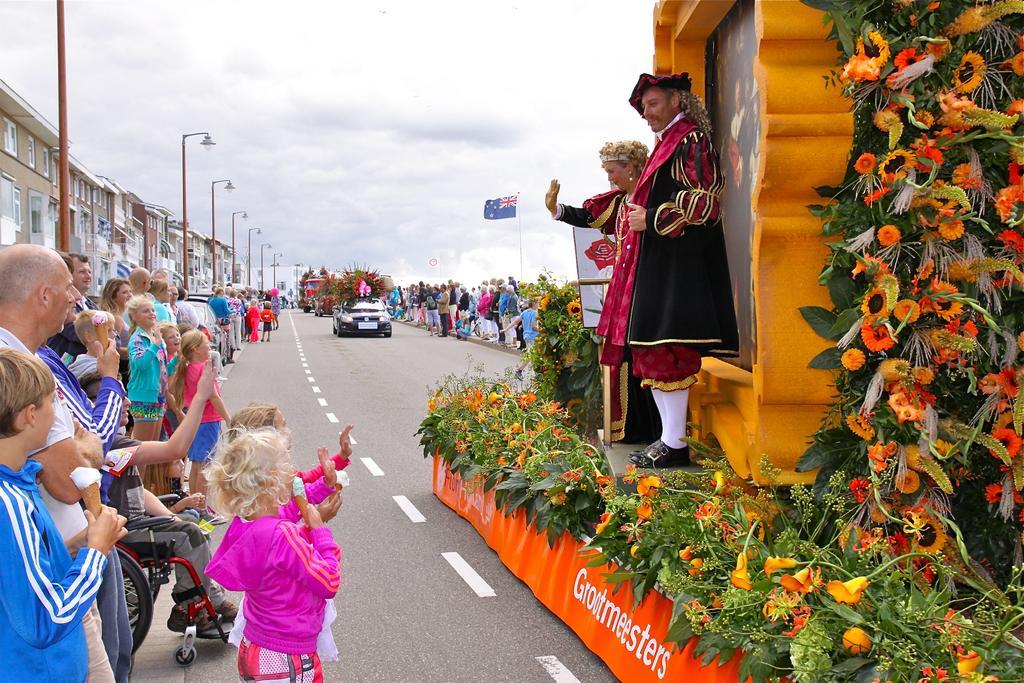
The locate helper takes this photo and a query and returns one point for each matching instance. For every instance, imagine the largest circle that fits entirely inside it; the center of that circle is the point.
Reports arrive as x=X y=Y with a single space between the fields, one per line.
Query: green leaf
x=829 y=359
x=844 y=322
x=840 y=288
x=820 y=319
x=813 y=458
x=680 y=631
x=847 y=614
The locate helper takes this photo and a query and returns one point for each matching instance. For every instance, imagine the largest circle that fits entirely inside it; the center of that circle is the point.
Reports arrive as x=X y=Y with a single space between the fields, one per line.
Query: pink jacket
x=286 y=572
x=484 y=303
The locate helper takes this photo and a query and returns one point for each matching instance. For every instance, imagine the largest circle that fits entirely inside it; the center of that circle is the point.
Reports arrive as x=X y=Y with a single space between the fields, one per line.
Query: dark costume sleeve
x=598 y=212
x=699 y=184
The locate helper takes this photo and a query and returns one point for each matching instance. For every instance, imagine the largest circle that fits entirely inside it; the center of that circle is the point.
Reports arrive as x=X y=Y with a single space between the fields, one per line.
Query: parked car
x=366 y=316
x=218 y=340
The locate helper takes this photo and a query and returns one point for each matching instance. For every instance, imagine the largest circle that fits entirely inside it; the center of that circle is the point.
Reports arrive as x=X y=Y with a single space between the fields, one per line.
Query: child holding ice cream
x=46 y=593
x=288 y=572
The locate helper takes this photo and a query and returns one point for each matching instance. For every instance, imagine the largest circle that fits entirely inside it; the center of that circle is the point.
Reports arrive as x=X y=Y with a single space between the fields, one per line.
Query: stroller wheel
x=184 y=657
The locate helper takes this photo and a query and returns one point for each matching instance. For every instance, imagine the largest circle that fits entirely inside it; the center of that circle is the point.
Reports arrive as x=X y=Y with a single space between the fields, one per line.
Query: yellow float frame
x=806 y=134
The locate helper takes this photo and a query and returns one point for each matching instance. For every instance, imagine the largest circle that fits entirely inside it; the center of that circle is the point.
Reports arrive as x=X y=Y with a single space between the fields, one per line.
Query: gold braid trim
x=619 y=426
x=670 y=386
x=605 y=215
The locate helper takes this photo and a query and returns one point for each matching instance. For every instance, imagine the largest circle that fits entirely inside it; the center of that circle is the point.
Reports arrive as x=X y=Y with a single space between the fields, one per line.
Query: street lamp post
x=248 y=257
x=233 y=253
x=262 y=267
x=213 y=222
x=64 y=236
x=206 y=144
x=274 y=264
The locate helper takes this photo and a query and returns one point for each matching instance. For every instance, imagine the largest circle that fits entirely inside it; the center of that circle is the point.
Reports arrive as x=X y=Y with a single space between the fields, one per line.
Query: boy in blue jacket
x=43 y=592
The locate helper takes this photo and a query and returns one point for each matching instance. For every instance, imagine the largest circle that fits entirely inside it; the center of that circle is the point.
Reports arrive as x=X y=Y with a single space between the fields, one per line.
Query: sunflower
x=896 y=164
x=929 y=532
x=908 y=482
x=860 y=426
x=888 y=235
x=865 y=163
x=876 y=338
x=874 y=304
x=907 y=311
x=967 y=76
x=853 y=359
x=574 y=308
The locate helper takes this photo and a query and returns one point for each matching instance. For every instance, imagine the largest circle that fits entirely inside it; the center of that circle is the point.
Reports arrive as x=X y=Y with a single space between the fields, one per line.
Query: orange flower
x=774 y=564
x=908 y=408
x=876 y=338
x=740 y=577
x=606 y=519
x=865 y=163
x=802 y=582
x=927 y=148
x=686 y=554
x=873 y=197
x=1008 y=437
x=963 y=176
x=847 y=592
x=696 y=566
x=907 y=310
x=853 y=359
x=1016 y=107
x=1017 y=63
x=896 y=165
x=1006 y=199
x=649 y=485
x=863 y=67
x=951 y=230
x=888 y=235
x=644 y=510
x=968 y=663
x=880 y=453
x=908 y=482
x=861 y=426
x=906 y=57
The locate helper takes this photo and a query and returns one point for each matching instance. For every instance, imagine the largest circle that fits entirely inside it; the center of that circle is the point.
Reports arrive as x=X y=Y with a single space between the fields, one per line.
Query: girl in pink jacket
x=286 y=571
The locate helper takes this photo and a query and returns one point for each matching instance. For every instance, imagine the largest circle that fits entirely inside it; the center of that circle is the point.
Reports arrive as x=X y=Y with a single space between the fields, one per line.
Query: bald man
x=37 y=293
x=139 y=279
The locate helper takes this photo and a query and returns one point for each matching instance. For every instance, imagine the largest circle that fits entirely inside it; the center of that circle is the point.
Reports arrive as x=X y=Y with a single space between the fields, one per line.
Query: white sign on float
x=595 y=259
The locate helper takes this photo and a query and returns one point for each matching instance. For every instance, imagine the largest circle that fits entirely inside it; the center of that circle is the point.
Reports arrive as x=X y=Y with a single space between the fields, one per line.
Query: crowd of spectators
x=493 y=311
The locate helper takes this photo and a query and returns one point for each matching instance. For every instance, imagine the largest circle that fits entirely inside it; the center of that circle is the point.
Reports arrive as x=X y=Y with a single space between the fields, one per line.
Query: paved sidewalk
x=474 y=340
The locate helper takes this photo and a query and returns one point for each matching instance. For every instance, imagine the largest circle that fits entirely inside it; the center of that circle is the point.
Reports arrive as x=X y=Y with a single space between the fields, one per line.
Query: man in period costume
x=670 y=299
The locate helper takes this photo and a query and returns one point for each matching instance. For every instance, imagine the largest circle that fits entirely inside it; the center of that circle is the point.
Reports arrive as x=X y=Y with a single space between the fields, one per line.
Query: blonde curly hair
x=252 y=469
x=628 y=152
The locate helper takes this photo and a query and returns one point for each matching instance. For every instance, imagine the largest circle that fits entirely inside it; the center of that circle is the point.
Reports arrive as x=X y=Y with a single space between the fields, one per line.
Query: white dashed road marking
x=557 y=670
x=409 y=509
x=372 y=466
x=322 y=402
x=331 y=417
x=316 y=390
x=469 y=575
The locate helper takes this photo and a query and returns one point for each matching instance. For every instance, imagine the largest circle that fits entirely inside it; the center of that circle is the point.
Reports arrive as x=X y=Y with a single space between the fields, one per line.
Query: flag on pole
x=502 y=207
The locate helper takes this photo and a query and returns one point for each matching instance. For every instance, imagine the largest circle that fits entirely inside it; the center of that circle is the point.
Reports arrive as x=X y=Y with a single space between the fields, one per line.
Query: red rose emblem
x=602 y=253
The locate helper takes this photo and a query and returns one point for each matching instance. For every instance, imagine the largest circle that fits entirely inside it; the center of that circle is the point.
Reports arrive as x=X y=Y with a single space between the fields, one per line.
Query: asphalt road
x=404 y=614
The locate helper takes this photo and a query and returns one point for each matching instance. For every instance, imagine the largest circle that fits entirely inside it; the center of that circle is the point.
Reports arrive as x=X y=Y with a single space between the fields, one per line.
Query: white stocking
x=672 y=407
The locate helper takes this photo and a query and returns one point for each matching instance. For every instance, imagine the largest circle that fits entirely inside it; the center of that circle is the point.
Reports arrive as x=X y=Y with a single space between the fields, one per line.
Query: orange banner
x=628 y=640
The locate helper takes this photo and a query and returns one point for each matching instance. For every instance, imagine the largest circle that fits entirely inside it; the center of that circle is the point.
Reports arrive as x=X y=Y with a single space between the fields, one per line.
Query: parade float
x=859 y=511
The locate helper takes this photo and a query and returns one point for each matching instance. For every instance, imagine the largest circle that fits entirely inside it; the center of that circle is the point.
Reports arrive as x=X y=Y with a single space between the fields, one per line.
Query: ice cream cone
x=343 y=481
x=91 y=498
x=87 y=480
x=299 y=494
x=102 y=327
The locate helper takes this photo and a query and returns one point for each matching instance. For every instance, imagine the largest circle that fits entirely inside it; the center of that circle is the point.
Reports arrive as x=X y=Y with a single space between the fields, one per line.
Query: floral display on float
x=564 y=354
x=924 y=272
x=522 y=446
x=358 y=282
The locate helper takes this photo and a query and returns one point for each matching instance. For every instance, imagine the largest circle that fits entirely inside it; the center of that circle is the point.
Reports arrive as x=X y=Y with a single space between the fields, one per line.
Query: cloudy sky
x=367 y=132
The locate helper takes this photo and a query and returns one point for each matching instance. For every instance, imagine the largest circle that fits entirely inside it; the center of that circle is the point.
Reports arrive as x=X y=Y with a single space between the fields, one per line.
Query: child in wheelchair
x=288 y=571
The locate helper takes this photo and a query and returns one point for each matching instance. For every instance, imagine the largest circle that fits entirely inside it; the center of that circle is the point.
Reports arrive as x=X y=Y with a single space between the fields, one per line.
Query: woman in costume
x=634 y=414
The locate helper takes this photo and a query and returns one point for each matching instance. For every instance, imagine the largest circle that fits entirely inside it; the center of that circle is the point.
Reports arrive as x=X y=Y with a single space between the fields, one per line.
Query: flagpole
x=519 y=218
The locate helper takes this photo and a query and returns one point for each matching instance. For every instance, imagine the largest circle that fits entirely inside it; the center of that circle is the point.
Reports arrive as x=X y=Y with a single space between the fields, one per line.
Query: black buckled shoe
x=660 y=455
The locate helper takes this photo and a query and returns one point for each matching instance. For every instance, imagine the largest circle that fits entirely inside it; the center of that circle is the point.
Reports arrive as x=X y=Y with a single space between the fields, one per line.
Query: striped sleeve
x=699 y=184
x=41 y=607
x=316 y=566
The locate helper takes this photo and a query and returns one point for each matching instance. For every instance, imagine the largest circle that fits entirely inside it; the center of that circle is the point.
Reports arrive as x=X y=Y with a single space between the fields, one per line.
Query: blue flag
x=502 y=207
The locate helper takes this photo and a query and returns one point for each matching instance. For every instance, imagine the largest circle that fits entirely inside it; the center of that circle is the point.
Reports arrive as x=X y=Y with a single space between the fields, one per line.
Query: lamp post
x=248 y=257
x=262 y=267
x=206 y=144
x=274 y=264
x=64 y=235
x=213 y=223
x=233 y=253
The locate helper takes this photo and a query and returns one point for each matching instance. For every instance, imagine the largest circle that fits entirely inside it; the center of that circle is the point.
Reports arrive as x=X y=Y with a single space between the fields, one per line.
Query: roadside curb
x=473 y=340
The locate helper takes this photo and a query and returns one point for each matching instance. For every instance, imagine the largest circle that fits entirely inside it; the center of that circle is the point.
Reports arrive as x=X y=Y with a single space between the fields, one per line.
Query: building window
x=46 y=163
x=7 y=198
x=31 y=151
x=36 y=219
x=17 y=208
x=10 y=137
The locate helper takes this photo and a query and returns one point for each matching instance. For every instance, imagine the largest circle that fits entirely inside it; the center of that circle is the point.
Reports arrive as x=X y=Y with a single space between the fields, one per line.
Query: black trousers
x=445 y=320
